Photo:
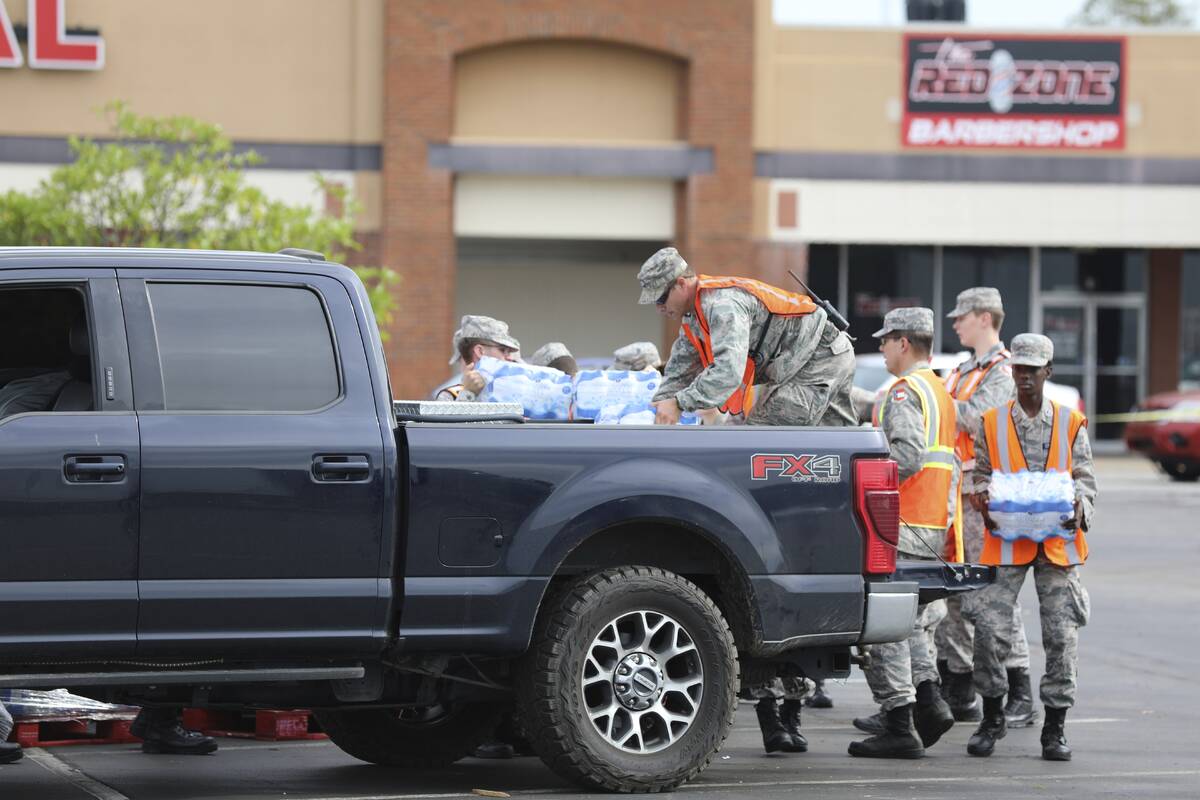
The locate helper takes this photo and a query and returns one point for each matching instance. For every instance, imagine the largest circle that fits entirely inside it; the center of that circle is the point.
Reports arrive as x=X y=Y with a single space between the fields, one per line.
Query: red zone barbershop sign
x=50 y=46
x=1013 y=91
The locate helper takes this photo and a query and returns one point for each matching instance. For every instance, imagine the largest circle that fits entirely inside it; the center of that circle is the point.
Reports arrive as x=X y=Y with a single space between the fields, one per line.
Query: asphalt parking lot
x=1133 y=729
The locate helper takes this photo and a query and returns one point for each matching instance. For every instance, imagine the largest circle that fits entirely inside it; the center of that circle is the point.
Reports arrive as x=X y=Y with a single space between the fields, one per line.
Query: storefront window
x=1189 y=322
x=1101 y=270
x=1005 y=268
x=883 y=278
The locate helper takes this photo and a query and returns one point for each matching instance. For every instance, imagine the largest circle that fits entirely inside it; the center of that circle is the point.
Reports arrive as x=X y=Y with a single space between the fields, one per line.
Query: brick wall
x=714 y=38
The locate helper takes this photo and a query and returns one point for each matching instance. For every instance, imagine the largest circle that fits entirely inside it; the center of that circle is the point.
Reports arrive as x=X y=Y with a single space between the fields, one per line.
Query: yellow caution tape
x=1166 y=415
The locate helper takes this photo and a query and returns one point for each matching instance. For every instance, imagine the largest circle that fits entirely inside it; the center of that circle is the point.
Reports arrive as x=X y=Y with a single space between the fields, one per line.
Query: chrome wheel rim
x=642 y=682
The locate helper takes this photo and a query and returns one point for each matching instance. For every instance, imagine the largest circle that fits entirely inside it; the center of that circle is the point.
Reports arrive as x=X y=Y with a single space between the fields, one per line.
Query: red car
x=1173 y=442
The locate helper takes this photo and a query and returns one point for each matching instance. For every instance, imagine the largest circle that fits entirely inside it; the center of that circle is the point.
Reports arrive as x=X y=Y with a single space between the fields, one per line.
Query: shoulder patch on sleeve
x=899 y=394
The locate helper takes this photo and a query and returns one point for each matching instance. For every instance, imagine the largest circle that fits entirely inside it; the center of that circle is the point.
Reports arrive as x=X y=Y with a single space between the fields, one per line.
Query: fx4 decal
x=803 y=468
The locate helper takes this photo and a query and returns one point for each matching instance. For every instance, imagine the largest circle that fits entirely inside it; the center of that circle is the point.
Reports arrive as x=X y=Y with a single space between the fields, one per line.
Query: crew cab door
x=69 y=468
x=262 y=464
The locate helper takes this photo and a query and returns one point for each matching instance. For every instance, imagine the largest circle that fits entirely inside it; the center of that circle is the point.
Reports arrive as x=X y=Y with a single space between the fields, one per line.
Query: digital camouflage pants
x=955 y=635
x=790 y=688
x=6 y=723
x=819 y=396
x=897 y=668
x=1064 y=608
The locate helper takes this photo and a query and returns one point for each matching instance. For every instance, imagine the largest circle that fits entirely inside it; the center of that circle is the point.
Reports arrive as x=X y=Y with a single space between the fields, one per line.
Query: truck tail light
x=877 y=502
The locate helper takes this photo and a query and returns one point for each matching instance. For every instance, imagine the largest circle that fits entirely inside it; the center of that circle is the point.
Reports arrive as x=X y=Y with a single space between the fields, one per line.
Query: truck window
x=45 y=353
x=241 y=347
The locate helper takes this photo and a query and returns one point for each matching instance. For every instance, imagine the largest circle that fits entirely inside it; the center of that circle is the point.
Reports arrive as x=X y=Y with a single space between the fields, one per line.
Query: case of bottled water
x=544 y=392
x=1031 y=505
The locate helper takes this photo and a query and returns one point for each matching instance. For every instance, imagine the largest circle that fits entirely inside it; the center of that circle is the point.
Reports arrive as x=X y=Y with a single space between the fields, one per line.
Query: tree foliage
x=1147 y=13
x=176 y=182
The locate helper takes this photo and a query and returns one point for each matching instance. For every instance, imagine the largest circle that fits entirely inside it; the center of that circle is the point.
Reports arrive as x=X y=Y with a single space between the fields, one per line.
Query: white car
x=872 y=379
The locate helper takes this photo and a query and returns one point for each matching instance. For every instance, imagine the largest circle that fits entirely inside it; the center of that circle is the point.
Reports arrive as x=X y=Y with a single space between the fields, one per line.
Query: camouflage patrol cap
x=913 y=319
x=1031 y=350
x=657 y=273
x=549 y=352
x=637 y=356
x=977 y=298
x=485 y=328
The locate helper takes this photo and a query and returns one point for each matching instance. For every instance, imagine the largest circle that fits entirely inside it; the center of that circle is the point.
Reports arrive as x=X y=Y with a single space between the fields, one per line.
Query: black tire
x=1182 y=471
x=551 y=683
x=416 y=739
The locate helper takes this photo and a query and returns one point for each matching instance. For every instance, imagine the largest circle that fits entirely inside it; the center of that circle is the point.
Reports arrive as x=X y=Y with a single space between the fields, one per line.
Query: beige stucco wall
x=276 y=70
x=839 y=90
x=567 y=91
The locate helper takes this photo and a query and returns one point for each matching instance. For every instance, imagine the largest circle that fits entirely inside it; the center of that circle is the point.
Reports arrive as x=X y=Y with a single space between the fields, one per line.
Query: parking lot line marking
x=72 y=775
x=1021 y=777
x=701 y=787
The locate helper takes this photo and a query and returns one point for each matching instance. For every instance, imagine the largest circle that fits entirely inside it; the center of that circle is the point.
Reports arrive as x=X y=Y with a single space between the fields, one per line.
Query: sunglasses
x=662 y=298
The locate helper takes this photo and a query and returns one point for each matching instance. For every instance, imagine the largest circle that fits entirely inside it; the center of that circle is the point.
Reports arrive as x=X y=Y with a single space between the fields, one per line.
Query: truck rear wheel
x=631 y=682
x=416 y=738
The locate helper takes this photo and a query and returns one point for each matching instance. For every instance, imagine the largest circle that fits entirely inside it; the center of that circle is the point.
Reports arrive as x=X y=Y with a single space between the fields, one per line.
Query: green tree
x=177 y=182
x=1149 y=13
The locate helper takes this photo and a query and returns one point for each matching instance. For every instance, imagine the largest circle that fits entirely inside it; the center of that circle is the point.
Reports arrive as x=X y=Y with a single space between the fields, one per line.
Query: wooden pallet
x=59 y=732
x=274 y=726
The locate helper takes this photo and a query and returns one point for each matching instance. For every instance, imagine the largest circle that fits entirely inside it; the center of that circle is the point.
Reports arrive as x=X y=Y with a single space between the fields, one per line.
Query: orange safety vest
x=925 y=497
x=1004 y=448
x=779 y=302
x=962 y=386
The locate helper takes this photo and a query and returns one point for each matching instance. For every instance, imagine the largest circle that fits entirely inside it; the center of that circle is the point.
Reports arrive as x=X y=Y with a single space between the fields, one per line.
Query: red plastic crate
x=62 y=732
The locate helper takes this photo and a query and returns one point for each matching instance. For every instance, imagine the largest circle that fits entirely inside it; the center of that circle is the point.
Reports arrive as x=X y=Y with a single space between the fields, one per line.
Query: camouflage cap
x=914 y=319
x=485 y=328
x=549 y=352
x=1031 y=350
x=637 y=356
x=977 y=298
x=657 y=273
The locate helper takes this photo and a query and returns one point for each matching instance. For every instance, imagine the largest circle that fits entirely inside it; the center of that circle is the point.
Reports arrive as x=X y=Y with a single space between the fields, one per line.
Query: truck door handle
x=94 y=469
x=341 y=468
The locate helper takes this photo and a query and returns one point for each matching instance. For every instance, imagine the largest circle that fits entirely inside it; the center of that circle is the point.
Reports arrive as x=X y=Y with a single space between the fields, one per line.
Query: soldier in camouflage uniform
x=802 y=376
x=916 y=418
x=637 y=356
x=477 y=337
x=556 y=356
x=1049 y=437
x=803 y=365
x=981 y=382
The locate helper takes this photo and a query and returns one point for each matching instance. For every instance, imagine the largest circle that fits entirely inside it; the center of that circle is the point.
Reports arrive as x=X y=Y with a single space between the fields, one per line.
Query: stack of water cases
x=1031 y=505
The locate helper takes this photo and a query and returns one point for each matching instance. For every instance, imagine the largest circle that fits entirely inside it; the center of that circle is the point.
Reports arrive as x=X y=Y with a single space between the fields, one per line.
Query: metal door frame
x=1090 y=302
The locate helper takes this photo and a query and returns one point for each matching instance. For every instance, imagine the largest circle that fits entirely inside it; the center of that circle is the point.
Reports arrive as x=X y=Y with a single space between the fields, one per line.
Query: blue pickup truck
x=207 y=497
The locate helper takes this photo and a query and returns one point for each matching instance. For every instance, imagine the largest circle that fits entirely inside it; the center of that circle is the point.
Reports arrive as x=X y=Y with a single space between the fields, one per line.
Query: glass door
x=1098 y=345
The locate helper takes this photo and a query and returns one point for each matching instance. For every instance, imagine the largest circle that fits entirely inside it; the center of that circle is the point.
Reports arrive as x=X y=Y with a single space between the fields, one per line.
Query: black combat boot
x=1054 y=738
x=990 y=730
x=897 y=741
x=10 y=752
x=932 y=716
x=1019 y=710
x=789 y=713
x=943 y=668
x=775 y=736
x=876 y=723
x=177 y=740
x=961 y=697
x=819 y=697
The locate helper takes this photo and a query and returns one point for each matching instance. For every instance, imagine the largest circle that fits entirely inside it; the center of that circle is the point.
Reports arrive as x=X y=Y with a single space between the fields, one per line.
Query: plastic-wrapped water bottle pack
x=544 y=392
x=598 y=389
x=637 y=414
x=1031 y=505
